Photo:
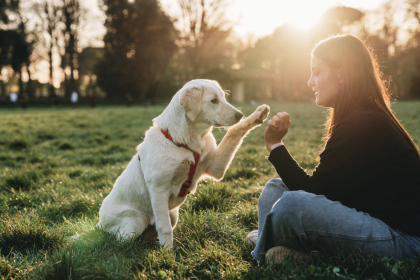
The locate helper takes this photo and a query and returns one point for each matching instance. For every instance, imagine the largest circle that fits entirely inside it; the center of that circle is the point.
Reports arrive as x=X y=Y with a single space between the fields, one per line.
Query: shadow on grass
x=18 y=144
x=97 y=254
x=21 y=179
x=25 y=232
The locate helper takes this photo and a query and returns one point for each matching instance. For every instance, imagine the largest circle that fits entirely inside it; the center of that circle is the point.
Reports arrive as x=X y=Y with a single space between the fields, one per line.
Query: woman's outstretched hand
x=276 y=129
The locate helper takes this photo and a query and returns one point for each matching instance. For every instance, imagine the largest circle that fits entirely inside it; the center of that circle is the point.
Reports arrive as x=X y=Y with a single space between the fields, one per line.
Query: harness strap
x=185 y=186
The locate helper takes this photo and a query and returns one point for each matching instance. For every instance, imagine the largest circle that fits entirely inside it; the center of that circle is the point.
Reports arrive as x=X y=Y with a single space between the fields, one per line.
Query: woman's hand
x=276 y=129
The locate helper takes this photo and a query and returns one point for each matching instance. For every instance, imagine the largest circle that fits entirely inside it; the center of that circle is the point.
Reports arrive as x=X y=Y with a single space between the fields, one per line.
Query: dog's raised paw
x=262 y=113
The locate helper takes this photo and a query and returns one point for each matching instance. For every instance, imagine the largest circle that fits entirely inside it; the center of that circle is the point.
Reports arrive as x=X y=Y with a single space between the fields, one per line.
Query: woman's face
x=324 y=81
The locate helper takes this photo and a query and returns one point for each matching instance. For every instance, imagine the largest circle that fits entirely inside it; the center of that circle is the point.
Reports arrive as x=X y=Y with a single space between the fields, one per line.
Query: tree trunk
x=51 y=90
x=21 y=91
x=29 y=89
x=72 y=53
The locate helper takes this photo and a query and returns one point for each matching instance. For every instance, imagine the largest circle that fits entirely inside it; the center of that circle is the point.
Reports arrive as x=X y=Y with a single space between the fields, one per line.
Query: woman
x=364 y=195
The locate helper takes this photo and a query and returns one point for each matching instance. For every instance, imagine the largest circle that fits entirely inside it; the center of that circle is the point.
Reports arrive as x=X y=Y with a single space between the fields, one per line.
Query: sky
x=261 y=17
x=252 y=18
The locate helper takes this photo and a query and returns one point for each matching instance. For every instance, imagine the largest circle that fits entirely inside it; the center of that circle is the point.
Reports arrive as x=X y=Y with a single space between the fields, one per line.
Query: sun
x=302 y=13
x=263 y=16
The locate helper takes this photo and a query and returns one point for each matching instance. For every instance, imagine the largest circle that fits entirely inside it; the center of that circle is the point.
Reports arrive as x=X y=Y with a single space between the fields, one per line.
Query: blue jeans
x=309 y=222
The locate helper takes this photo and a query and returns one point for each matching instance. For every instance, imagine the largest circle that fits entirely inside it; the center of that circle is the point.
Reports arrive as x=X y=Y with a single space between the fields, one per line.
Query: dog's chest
x=181 y=176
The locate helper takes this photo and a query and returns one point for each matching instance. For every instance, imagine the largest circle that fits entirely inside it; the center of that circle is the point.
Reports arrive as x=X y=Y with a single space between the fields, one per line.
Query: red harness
x=185 y=186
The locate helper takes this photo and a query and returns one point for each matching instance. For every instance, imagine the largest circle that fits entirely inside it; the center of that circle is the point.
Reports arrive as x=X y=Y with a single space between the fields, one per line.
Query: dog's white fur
x=146 y=192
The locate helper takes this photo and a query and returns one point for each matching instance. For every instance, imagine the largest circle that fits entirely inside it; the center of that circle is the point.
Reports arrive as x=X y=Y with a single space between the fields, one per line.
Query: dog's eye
x=215 y=101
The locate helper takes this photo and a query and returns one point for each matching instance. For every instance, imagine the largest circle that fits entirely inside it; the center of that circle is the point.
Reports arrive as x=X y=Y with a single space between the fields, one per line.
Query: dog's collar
x=185 y=186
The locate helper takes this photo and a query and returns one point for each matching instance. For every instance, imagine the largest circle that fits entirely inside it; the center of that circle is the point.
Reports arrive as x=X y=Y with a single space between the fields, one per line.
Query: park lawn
x=57 y=165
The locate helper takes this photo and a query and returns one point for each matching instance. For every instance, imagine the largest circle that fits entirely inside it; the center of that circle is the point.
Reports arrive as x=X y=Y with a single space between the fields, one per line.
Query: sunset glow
x=263 y=16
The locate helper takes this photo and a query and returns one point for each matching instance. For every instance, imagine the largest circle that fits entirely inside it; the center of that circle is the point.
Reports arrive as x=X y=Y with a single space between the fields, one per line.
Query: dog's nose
x=239 y=115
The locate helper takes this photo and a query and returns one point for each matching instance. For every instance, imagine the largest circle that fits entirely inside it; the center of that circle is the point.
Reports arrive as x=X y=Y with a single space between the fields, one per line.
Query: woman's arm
x=354 y=156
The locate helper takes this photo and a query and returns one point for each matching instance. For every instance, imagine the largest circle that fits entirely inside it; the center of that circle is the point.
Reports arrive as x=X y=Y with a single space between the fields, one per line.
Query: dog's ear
x=190 y=99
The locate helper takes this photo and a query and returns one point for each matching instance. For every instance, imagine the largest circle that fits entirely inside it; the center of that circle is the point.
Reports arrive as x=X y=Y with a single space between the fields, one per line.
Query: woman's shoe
x=277 y=254
x=252 y=238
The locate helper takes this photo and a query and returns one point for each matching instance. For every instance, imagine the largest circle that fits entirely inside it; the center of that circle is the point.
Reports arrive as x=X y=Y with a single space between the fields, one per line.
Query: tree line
x=147 y=55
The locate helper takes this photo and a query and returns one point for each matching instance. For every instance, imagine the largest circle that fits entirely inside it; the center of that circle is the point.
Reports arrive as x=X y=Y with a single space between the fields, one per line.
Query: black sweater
x=367 y=164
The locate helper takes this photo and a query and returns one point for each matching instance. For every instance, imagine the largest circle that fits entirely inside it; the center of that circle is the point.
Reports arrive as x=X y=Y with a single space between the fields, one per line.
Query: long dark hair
x=364 y=85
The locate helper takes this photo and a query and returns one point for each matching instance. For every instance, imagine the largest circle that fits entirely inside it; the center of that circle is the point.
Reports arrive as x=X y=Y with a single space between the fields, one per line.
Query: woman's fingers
x=270 y=124
x=277 y=128
x=283 y=115
x=281 y=119
x=276 y=121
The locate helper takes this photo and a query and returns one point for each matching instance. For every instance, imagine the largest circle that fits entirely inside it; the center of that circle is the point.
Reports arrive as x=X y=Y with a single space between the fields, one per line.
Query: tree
x=71 y=16
x=335 y=19
x=413 y=51
x=204 y=34
x=5 y=7
x=15 y=48
x=88 y=61
x=22 y=50
x=139 y=44
x=20 y=56
x=413 y=9
x=7 y=39
x=388 y=47
x=285 y=53
x=49 y=13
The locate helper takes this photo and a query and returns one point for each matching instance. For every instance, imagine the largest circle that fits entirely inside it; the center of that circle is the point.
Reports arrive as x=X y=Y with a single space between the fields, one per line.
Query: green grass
x=56 y=167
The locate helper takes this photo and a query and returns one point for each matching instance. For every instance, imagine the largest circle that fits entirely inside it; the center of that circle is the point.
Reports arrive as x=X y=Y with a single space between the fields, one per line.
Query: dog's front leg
x=163 y=225
x=224 y=153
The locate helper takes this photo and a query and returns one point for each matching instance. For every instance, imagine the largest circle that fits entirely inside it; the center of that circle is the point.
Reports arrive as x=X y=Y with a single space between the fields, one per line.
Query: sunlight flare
x=263 y=16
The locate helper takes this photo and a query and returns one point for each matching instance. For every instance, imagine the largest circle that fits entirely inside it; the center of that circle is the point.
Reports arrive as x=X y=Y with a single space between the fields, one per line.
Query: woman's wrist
x=276 y=145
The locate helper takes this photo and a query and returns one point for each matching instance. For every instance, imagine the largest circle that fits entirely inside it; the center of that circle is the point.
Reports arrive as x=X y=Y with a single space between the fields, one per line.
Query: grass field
x=57 y=165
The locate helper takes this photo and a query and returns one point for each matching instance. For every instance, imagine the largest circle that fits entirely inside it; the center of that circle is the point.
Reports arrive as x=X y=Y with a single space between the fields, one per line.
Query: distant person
x=13 y=99
x=74 y=98
x=364 y=195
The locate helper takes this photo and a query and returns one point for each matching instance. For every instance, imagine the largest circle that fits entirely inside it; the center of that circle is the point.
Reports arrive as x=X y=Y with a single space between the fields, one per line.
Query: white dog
x=178 y=150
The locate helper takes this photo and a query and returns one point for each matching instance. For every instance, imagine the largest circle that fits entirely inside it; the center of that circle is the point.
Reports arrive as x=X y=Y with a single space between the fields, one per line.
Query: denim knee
x=275 y=185
x=291 y=206
x=286 y=220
